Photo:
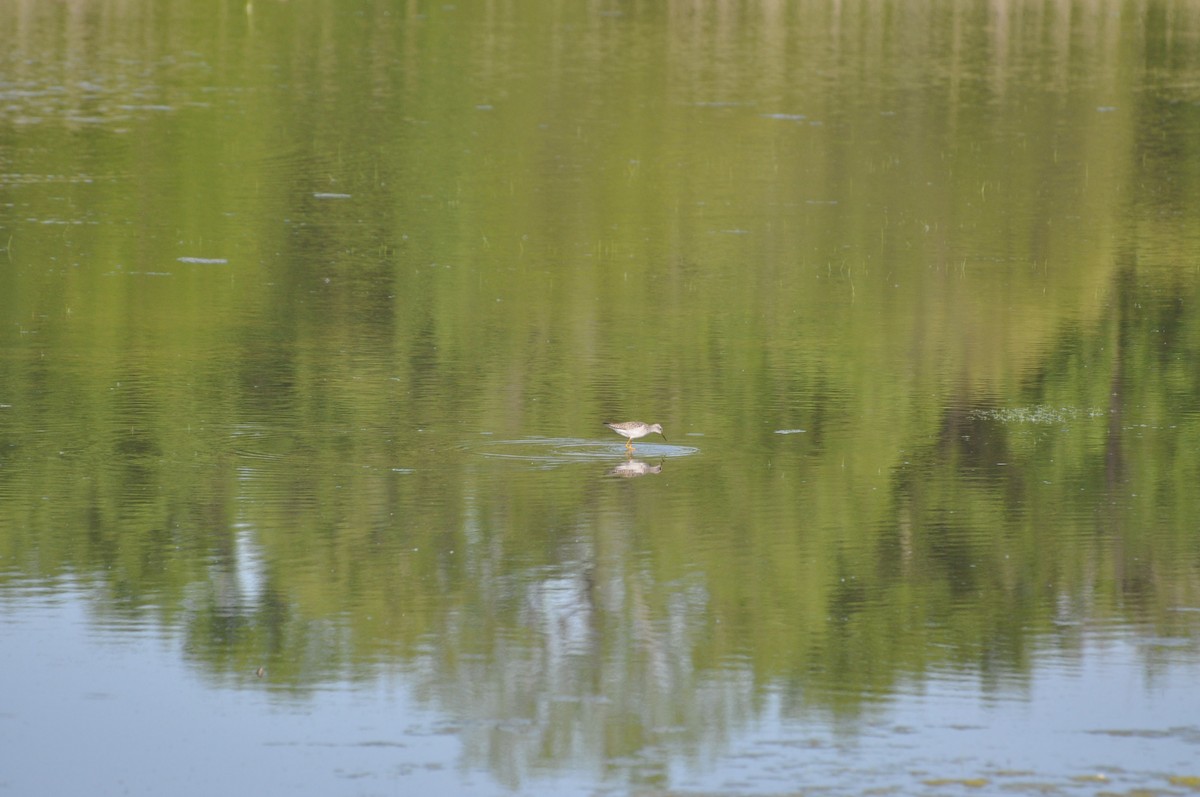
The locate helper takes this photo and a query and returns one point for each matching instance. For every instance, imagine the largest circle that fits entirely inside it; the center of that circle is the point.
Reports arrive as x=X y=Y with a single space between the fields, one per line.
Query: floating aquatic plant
x=1037 y=414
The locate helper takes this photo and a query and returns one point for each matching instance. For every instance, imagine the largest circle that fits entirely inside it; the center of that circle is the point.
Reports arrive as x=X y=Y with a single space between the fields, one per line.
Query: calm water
x=311 y=313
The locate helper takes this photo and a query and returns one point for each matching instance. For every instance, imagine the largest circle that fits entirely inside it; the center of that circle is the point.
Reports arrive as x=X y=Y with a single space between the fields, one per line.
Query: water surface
x=310 y=322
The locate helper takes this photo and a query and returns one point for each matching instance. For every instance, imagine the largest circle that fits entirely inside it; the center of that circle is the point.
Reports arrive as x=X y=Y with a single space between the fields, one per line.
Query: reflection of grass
x=1040 y=414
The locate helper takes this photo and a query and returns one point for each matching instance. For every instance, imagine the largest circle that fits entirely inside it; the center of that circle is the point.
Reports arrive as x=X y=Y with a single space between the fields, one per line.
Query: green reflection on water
x=276 y=283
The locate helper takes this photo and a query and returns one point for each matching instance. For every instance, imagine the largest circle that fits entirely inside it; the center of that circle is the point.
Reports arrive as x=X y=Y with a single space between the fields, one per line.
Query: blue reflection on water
x=95 y=706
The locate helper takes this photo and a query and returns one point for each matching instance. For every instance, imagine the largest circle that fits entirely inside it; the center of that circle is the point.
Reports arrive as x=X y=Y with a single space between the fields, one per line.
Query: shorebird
x=632 y=430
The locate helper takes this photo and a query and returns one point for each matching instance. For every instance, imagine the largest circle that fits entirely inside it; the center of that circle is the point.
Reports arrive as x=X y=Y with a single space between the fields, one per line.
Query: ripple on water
x=553 y=452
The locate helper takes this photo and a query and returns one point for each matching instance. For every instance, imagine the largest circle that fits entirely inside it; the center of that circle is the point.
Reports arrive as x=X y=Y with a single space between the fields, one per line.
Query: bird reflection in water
x=632 y=468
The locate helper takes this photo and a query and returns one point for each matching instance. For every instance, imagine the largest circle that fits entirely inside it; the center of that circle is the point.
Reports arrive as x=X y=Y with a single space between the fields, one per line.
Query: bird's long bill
x=664 y=437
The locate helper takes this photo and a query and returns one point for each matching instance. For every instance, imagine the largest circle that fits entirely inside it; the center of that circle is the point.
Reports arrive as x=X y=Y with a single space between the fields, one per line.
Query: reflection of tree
x=276 y=457
x=590 y=671
x=563 y=612
x=1114 y=465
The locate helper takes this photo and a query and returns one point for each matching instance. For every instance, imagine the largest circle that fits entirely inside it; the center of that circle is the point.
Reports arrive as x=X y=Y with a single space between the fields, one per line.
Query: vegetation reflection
x=248 y=359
